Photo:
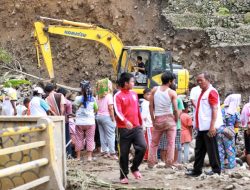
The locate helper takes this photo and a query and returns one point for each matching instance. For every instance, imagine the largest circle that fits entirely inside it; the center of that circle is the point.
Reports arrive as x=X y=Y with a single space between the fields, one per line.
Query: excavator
x=124 y=58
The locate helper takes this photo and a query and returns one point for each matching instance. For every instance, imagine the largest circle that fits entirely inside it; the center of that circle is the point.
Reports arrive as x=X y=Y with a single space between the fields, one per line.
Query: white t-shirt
x=85 y=116
x=20 y=109
x=38 y=107
x=195 y=93
x=146 y=118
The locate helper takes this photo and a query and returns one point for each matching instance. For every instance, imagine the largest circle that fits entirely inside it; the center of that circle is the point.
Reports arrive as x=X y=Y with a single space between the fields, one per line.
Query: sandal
x=107 y=155
x=124 y=181
x=137 y=175
x=113 y=157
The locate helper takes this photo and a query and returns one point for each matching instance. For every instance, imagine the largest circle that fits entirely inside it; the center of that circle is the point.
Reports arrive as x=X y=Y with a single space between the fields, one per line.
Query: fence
x=32 y=153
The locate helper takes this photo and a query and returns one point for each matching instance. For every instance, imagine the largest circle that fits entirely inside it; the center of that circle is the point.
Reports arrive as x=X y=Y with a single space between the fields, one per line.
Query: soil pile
x=137 y=22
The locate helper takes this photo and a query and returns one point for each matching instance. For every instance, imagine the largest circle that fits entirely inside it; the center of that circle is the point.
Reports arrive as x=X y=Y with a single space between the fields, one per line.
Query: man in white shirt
x=194 y=95
x=38 y=106
x=208 y=119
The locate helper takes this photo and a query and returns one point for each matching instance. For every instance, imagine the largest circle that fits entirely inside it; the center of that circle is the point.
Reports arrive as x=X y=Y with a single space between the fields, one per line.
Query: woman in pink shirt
x=106 y=123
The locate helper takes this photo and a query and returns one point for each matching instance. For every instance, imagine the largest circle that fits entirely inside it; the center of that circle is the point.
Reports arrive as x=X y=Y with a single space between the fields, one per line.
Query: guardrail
x=29 y=157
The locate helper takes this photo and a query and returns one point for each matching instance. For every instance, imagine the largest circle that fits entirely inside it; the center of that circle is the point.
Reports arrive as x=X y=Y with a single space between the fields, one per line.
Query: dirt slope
x=136 y=21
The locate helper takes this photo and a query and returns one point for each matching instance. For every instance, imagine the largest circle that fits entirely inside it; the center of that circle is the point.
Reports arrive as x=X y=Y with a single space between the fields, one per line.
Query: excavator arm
x=76 y=30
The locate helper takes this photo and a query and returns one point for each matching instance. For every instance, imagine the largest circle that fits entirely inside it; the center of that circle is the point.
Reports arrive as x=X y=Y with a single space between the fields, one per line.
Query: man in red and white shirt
x=129 y=121
x=208 y=118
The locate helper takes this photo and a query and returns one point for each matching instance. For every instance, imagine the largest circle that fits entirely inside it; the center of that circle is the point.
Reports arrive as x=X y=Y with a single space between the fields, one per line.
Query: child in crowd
x=21 y=109
x=186 y=131
x=26 y=103
x=146 y=118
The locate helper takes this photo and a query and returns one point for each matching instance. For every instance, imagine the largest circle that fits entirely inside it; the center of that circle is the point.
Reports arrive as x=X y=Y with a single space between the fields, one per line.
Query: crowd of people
x=160 y=125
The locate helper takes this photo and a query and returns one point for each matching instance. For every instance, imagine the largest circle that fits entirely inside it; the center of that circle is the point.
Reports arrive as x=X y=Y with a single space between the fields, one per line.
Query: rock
x=164 y=38
x=247 y=18
x=246 y=179
x=236 y=175
x=236 y=51
x=176 y=58
x=183 y=46
x=91 y=7
x=142 y=30
x=157 y=37
x=202 y=177
x=237 y=186
x=197 y=53
x=175 y=49
x=135 y=7
x=229 y=187
x=17 y=6
x=193 y=65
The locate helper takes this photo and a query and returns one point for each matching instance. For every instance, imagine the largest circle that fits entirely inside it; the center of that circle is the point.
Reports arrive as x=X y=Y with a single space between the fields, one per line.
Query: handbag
x=228 y=132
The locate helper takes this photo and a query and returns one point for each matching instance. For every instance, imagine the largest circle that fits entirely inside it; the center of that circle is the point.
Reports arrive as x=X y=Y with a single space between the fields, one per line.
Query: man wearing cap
x=38 y=106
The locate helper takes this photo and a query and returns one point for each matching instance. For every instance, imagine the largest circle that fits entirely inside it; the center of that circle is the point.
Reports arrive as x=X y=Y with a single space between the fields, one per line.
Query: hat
x=39 y=90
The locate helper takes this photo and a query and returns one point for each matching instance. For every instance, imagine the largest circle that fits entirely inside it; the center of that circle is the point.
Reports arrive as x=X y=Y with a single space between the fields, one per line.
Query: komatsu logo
x=79 y=34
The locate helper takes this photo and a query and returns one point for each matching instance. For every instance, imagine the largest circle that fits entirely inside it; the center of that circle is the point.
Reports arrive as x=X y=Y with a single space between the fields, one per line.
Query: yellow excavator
x=124 y=58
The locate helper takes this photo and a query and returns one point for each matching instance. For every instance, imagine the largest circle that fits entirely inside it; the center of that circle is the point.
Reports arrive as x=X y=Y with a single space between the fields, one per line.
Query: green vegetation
x=16 y=82
x=223 y=11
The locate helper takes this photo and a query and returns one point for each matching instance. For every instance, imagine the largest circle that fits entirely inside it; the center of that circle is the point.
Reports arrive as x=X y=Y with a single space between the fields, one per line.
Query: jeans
x=186 y=152
x=107 y=133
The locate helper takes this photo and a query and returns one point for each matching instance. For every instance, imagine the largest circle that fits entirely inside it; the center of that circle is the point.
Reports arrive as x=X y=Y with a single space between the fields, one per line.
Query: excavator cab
x=155 y=60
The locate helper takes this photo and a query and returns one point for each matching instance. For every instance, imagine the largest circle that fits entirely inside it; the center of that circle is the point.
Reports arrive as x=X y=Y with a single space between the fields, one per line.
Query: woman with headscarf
x=245 y=121
x=85 y=120
x=226 y=134
x=105 y=118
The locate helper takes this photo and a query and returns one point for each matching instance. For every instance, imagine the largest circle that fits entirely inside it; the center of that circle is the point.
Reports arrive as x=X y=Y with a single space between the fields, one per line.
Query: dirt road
x=104 y=174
